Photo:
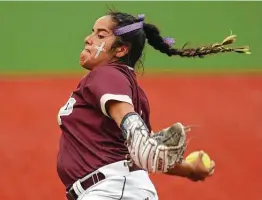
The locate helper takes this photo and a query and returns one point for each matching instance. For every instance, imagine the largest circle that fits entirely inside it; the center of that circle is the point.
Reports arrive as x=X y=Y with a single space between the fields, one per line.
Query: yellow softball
x=194 y=155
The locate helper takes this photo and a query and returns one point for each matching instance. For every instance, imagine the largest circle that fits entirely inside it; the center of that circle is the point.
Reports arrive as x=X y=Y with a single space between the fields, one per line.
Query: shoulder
x=107 y=83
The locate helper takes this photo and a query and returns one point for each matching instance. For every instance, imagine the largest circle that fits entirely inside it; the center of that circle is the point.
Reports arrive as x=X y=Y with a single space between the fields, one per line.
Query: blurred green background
x=47 y=37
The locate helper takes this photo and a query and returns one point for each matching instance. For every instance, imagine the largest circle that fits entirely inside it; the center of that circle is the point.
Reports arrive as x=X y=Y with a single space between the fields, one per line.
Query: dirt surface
x=226 y=109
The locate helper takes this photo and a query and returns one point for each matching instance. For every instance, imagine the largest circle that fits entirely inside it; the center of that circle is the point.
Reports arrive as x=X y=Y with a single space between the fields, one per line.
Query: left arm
x=146 y=151
x=150 y=160
x=117 y=110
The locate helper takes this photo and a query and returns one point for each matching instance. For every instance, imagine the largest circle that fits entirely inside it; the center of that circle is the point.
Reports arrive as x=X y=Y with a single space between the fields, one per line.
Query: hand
x=199 y=171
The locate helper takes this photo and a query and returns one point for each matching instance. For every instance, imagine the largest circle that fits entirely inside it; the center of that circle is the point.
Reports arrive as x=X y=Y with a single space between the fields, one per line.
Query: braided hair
x=136 y=39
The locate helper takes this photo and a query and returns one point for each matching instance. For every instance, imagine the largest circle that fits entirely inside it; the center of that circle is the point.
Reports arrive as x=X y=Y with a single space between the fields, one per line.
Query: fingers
x=201 y=171
x=213 y=164
x=200 y=155
x=209 y=171
x=212 y=168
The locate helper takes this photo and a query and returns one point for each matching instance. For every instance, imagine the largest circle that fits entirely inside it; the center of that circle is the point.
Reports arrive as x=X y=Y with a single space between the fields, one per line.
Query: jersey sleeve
x=107 y=83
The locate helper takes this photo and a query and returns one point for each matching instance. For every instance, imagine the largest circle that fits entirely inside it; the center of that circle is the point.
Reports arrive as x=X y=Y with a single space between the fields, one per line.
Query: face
x=98 y=45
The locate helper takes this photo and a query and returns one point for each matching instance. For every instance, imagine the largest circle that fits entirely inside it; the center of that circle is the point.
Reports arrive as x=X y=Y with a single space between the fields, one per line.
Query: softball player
x=107 y=147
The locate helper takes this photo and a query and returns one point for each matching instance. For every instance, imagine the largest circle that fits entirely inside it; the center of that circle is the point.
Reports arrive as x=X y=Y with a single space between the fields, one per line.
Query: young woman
x=106 y=147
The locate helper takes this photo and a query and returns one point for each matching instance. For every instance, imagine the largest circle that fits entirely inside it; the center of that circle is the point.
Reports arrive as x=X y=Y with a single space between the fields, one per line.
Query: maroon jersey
x=90 y=138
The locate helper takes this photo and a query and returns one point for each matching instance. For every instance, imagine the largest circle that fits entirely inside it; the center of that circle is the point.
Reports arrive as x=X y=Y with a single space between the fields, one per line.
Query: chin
x=85 y=65
x=83 y=61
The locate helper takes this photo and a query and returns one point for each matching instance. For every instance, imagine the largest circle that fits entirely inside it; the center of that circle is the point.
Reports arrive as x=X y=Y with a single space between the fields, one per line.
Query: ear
x=121 y=51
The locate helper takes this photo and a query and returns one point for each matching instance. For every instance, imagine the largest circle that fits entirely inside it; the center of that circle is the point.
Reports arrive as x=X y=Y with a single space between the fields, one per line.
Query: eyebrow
x=100 y=29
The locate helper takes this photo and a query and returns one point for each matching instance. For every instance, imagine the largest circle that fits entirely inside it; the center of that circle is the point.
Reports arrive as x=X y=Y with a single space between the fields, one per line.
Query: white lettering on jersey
x=66 y=110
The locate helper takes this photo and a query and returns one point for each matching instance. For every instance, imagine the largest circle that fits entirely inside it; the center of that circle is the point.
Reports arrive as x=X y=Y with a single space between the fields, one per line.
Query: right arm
x=182 y=169
x=195 y=171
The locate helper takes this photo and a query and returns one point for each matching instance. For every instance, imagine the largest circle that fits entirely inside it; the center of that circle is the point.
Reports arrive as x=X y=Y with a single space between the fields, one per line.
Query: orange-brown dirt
x=227 y=110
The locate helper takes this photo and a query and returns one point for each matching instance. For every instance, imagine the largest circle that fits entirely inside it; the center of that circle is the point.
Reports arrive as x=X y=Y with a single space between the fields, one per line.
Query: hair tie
x=169 y=41
x=141 y=17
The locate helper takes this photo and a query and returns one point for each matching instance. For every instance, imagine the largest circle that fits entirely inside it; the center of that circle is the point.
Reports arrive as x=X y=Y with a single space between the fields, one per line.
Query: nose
x=88 y=40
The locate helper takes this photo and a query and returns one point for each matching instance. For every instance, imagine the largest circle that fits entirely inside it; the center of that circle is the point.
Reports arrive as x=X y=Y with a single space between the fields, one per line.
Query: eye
x=100 y=36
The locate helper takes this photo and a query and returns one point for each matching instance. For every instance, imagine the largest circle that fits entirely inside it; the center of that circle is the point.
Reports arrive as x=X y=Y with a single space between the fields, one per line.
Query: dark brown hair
x=136 y=41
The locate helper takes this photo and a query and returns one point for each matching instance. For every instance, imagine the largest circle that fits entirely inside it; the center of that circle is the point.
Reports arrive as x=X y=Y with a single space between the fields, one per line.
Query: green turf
x=47 y=37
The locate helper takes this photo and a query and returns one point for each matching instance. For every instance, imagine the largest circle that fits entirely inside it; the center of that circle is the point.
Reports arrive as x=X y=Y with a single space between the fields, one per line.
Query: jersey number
x=66 y=110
